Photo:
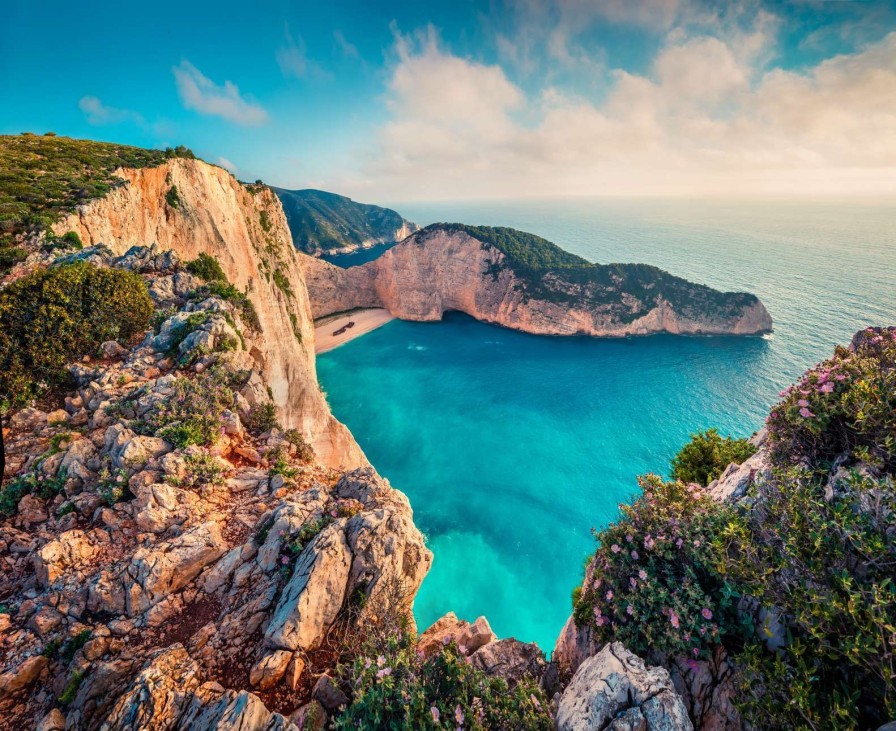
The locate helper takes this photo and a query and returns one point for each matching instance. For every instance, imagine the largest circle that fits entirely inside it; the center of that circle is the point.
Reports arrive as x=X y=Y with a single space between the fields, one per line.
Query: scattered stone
x=328 y=694
x=268 y=671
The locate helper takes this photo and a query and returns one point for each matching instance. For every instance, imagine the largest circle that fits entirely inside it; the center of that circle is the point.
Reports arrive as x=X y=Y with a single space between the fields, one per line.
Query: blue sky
x=400 y=101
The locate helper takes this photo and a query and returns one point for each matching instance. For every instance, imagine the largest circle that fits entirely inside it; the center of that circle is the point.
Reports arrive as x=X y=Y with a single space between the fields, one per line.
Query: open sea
x=512 y=447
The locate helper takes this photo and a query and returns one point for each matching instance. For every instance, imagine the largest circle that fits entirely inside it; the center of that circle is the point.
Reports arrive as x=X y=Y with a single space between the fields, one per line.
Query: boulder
x=615 y=685
x=328 y=694
x=69 y=552
x=268 y=671
x=22 y=676
x=159 y=570
x=510 y=659
x=314 y=595
x=53 y=721
x=469 y=637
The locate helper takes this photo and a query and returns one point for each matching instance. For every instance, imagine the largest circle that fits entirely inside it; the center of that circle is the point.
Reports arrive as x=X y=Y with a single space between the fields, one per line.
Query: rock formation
x=445 y=268
x=247 y=232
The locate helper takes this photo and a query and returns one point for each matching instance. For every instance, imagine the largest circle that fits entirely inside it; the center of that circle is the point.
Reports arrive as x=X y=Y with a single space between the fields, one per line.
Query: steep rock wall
x=454 y=271
x=249 y=236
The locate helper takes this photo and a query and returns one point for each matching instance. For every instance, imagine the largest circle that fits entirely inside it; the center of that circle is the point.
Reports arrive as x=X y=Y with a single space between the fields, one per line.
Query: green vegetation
x=202 y=469
x=321 y=221
x=43 y=178
x=395 y=688
x=31 y=483
x=282 y=282
x=706 y=456
x=263 y=418
x=304 y=452
x=71 y=688
x=112 y=485
x=229 y=293
x=207 y=268
x=73 y=645
x=814 y=543
x=192 y=414
x=547 y=272
x=172 y=198
x=52 y=316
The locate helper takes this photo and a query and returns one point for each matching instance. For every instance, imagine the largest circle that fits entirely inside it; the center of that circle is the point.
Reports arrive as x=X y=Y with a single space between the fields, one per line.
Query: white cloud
x=226 y=164
x=201 y=94
x=293 y=60
x=98 y=113
x=707 y=119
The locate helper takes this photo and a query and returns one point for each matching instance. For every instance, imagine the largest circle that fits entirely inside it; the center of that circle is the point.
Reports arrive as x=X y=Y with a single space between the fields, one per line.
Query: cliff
x=327 y=223
x=525 y=283
x=247 y=232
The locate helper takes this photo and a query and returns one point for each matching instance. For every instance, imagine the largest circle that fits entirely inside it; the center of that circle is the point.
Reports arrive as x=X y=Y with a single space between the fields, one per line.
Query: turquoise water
x=511 y=447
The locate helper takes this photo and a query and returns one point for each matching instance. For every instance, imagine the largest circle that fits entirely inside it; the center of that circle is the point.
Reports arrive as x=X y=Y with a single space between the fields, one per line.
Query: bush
x=845 y=404
x=207 y=268
x=10 y=256
x=263 y=418
x=706 y=456
x=659 y=579
x=394 y=687
x=304 y=452
x=32 y=483
x=826 y=560
x=229 y=293
x=53 y=316
x=282 y=282
x=202 y=470
x=172 y=198
x=192 y=414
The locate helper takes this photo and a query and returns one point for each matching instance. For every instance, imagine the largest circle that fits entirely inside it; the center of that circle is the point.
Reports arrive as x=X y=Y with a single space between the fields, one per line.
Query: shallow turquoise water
x=511 y=447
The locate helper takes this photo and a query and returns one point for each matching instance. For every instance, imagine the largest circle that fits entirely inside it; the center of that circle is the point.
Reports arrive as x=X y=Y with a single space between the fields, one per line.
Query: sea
x=513 y=448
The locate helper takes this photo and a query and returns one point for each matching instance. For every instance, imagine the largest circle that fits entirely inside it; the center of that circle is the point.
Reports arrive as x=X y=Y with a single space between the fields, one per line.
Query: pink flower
x=841 y=376
x=458 y=714
x=630 y=609
x=435 y=714
x=696 y=652
x=628 y=537
x=635 y=555
x=806 y=414
x=384 y=672
x=802 y=402
x=673 y=619
x=679 y=543
x=284 y=560
x=615 y=548
x=707 y=614
x=380 y=661
x=642 y=574
x=609 y=596
x=633 y=582
x=696 y=544
x=827 y=387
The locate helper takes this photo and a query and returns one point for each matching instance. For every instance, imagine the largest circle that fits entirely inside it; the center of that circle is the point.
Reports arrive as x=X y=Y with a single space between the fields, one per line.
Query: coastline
x=365 y=321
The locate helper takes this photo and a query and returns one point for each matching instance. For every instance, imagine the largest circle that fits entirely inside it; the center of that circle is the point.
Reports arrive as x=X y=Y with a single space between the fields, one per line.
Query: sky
x=404 y=101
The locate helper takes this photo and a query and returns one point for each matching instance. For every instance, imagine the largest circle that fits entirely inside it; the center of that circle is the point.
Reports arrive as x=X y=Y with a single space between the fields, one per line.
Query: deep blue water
x=356 y=258
x=511 y=447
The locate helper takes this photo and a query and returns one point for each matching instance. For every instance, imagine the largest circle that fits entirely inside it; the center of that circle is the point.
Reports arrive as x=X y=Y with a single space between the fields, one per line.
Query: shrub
x=845 y=404
x=304 y=452
x=202 y=470
x=73 y=645
x=10 y=256
x=706 y=456
x=207 y=268
x=172 y=198
x=282 y=282
x=826 y=560
x=394 y=687
x=53 y=316
x=262 y=418
x=279 y=465
x=192 y=413
x=265 y=220
x=32 y=483
x=112 y=485
x=658 y=575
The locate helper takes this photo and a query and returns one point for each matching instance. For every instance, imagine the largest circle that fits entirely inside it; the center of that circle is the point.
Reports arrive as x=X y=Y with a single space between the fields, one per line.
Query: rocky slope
x=444 y=268
x=327 y=223
x=150 y=586
x=245 y=229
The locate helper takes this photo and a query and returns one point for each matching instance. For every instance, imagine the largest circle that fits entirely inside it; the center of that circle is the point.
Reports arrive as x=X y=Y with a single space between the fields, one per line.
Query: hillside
x=527 y=283
x=322 y=222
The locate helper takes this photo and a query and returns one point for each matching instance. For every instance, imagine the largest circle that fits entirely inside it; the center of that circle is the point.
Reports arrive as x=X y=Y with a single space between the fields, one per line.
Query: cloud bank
x=709 y=117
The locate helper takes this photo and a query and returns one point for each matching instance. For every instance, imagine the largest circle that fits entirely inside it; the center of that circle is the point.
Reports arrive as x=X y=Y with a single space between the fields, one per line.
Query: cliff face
x=437 y=271
x=248 y=234
x=322 y=222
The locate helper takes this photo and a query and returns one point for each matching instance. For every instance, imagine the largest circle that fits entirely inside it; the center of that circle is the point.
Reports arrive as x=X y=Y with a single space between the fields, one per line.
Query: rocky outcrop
x=440 y=270
x=615 y=691
x=248 y=234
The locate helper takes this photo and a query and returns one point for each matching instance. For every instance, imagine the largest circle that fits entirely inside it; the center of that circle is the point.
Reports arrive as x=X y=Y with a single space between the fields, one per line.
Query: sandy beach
x=365 y=321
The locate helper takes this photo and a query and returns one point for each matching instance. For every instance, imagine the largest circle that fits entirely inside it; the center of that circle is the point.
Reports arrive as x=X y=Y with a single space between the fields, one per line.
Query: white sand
x=365 y=321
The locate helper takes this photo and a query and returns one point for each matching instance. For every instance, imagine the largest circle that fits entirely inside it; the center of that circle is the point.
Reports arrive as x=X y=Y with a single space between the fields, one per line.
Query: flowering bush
x=827 y=559
x=659 y=574
x=192 y=413
x=395 y=687
x=845 y=404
